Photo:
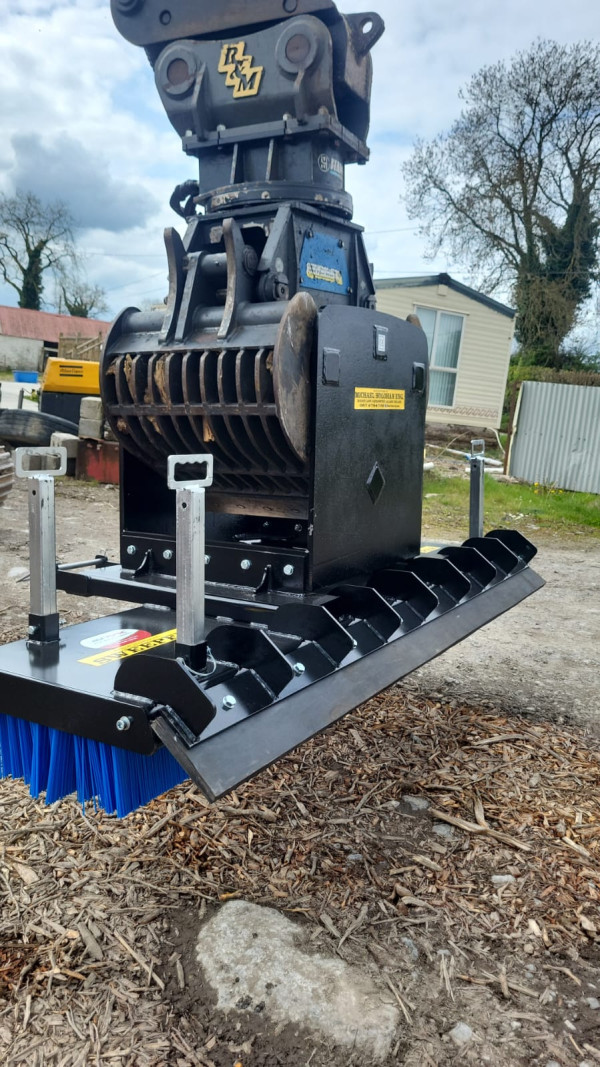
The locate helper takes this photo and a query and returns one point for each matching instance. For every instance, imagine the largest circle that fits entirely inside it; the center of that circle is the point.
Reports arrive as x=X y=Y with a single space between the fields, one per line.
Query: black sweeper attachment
x=271 y=425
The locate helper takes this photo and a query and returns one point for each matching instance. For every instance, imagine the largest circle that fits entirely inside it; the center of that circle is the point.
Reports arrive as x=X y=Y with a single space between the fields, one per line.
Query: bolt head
x=245 y=564
x=131 y=550
x=206 y=561
x=299 y=668
x=32 y=630
x=288 y=570
x=167 y=554
x=229 y=703
x=124 y=723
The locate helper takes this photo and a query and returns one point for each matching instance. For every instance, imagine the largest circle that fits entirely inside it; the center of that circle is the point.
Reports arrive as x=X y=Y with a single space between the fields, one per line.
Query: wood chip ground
x=97 y=915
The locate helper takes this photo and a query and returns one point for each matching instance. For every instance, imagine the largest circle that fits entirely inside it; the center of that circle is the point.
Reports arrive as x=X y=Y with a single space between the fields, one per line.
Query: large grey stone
x=256 y=960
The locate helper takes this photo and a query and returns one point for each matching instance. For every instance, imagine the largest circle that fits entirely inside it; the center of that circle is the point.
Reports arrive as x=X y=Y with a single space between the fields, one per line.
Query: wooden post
x=513 y=391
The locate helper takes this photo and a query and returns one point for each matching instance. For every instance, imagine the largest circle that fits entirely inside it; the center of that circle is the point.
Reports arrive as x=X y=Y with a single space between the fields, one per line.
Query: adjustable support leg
x=477 y=464
x=190 y=555
x=41 y=466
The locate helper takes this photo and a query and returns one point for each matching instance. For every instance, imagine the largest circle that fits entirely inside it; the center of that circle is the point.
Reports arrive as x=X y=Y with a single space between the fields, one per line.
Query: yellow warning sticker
x=112 y=655
x=379 y=399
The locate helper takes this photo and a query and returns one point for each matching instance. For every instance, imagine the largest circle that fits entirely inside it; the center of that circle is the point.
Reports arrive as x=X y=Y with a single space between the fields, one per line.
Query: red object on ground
x=98 y=461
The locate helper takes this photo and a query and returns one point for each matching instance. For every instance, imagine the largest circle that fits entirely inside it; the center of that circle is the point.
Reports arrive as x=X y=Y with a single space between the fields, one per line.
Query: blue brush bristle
x=58 y=764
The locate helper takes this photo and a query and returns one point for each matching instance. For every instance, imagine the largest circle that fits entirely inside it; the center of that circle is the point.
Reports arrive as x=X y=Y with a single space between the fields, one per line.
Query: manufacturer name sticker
x=240 y=73
x=317 y=272
x=331 y=166
x=112 y=655
x=113 y=639
x=379 y=399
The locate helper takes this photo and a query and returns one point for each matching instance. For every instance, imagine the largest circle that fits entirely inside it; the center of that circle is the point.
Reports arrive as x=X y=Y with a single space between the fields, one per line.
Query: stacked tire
x=6 y=474
x=35 y=428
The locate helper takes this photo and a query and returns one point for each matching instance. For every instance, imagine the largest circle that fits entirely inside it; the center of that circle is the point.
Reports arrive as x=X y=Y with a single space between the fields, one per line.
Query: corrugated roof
x=44 y=326
x=444 y=279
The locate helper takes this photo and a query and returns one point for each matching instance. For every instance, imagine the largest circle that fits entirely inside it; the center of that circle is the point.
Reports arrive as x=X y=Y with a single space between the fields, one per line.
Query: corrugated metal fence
x=557 y=436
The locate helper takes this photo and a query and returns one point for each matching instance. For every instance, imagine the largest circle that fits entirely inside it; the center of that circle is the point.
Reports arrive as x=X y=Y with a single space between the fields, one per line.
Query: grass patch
x=513 y=505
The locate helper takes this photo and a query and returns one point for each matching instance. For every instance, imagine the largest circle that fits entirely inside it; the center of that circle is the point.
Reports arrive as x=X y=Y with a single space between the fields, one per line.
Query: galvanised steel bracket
x=41 y=466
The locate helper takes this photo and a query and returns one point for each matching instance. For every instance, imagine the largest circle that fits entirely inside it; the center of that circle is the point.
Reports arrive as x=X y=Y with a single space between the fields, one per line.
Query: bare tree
x=34 y=238
x=77 y=295
x=513 y=188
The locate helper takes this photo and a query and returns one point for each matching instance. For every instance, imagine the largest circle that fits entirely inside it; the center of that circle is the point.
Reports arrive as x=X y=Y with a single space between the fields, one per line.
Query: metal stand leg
x=477 y=463
x=190 y=556
x=41 y=466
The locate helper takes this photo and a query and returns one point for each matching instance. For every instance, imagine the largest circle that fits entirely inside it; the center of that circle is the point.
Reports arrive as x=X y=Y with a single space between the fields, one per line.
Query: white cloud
x=65 y=170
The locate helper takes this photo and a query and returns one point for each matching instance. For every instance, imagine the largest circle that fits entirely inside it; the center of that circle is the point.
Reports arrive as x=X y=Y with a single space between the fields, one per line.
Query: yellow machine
x=64 y=383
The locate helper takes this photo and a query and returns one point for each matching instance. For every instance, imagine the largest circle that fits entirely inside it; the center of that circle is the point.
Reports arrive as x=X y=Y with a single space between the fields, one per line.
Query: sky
x=81 y=121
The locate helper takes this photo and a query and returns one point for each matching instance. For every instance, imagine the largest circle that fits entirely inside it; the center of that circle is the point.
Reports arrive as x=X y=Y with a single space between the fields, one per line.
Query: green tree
x=513 y=188
x=34 y=238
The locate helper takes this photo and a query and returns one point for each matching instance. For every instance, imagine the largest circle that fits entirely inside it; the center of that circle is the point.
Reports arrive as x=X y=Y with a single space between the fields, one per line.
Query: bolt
x=131 y=550
x=298 y=527
x=167 y=554
x=299 y=668
x=32 y=630
x=245 y=564
x=206 y=560
x=229 y=703
x=340 y=243
x=124 y=723
x=288 y=570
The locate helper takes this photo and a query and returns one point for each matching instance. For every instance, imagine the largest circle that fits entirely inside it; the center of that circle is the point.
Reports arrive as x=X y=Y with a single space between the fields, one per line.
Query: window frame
x=432 y=365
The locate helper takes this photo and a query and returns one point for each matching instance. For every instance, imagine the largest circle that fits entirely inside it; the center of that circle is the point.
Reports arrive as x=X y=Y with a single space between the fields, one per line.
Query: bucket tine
x=480 y=572
x=516 y=543
x=410 y=598
x=495 y=551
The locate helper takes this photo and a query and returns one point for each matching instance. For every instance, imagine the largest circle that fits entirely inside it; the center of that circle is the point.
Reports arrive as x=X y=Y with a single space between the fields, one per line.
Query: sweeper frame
x=228 y=697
